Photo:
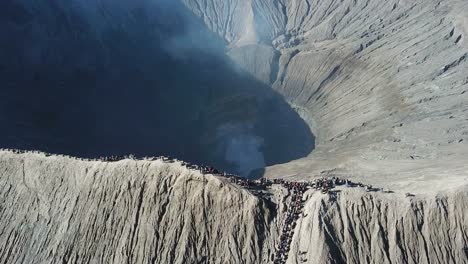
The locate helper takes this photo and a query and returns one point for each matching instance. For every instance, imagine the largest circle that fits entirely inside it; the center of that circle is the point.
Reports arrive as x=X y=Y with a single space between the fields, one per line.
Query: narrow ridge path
x=293 y=212
x=293 y=200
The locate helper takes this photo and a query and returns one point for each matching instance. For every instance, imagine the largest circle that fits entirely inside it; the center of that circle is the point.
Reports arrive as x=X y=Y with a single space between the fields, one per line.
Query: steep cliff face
x=379 y=82
x=64 y=210
x=59 y=209
x=362 y=227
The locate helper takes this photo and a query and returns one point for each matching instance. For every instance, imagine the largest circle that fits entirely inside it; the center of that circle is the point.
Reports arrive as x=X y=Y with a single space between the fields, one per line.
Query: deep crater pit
x=113 y=79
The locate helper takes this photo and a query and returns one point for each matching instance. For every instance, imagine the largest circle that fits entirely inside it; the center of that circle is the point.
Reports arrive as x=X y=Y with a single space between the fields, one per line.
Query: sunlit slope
x=59 y=209
x=381 y=83
x=63 y=210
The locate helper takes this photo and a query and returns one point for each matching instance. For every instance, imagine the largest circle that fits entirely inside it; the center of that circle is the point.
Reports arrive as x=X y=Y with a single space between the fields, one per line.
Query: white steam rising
x=241 y=147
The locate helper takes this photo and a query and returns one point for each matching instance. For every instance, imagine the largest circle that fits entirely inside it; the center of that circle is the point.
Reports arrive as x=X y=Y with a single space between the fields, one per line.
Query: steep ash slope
x=63 y=210
x=376 y=228
x=379 y=82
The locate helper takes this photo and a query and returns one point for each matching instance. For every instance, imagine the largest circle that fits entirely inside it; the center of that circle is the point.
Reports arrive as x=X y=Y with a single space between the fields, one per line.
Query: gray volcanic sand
x=383 y=86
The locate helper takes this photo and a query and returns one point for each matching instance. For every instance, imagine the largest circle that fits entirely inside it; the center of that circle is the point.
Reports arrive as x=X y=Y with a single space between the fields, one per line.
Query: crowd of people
x=295 y=205
x=293 y=212
x=325 y=185
x=112 y=158
x=296 y=190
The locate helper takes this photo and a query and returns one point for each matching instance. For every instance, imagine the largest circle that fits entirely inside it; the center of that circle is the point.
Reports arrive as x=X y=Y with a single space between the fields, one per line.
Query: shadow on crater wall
x=98 y=80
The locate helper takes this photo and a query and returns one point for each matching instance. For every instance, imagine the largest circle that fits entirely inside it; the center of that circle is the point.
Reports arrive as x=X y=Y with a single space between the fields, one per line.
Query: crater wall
x=112 y=78
x=380 y=83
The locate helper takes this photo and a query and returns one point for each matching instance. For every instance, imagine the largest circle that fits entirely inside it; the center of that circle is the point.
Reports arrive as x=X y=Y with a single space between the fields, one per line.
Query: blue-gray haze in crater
x=95 y=78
